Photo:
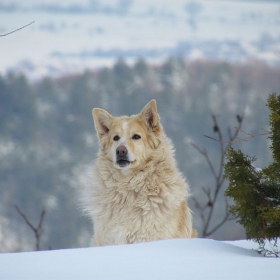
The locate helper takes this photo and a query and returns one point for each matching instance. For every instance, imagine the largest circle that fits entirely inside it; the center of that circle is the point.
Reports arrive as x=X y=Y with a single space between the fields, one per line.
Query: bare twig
x=37 y=230
x=237 y=139
x=17 y=29
x=205 y=154
x=207 y=211
x=227 y=217
x=200 y=208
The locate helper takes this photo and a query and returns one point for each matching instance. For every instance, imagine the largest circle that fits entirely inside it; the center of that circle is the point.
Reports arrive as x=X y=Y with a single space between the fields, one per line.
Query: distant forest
x=48 y=142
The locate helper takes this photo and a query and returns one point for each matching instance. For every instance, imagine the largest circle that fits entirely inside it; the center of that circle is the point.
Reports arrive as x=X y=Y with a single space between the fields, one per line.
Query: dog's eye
x=116 y=138
x=136 y=137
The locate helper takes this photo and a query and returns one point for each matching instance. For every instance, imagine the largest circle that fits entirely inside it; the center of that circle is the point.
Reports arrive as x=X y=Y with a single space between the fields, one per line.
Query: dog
x=137 y=193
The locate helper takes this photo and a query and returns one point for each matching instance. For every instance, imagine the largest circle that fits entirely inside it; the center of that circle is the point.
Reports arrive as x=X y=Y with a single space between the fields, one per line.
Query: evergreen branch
x=257 y=193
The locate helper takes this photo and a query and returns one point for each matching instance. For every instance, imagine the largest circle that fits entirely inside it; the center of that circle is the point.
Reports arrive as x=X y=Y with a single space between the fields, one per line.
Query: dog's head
x=128 y=141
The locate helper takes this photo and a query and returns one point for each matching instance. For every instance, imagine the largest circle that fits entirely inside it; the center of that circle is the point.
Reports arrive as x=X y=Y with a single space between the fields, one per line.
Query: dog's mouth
x=123 y=162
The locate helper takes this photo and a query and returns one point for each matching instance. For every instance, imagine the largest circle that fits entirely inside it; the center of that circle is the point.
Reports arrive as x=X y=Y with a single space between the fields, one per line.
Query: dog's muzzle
x=122 y=156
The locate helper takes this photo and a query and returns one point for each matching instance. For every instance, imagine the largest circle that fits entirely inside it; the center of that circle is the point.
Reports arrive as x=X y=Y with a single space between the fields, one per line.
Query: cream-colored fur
x=143 y=198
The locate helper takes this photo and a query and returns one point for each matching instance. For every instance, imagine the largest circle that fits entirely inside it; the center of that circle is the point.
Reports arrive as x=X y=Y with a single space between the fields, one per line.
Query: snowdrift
x=168 y=259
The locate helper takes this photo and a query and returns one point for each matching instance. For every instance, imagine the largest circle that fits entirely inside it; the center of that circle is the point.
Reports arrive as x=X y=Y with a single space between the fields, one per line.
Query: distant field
x=69 y=36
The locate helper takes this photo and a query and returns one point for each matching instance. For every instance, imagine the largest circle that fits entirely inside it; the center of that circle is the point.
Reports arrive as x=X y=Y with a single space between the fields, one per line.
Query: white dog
x=137 y=194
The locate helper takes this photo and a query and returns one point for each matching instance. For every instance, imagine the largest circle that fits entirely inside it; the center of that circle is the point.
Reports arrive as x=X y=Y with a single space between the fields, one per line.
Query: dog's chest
x=129 y=205
x=132 y=214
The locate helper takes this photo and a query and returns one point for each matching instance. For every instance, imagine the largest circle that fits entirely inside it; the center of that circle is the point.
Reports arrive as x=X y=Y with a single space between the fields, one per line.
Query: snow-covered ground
x=71 y=35
x=168 y=259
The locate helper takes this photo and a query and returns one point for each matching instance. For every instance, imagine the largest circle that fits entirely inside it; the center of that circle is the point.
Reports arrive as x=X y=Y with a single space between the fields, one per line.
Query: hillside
x=169 y=259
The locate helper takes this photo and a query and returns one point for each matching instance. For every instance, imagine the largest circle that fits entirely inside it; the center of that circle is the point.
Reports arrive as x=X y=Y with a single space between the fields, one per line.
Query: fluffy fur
x=137 y=193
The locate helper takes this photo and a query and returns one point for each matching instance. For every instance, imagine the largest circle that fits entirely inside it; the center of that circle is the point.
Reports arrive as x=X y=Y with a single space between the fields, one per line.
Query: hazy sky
x=153 y=29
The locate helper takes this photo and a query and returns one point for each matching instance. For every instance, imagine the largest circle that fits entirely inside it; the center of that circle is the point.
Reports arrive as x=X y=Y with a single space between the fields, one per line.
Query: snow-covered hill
x=69 y=36
x=168 y=259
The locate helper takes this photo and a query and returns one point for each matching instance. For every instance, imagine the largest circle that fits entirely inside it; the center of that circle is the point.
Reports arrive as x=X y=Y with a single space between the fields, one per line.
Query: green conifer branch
x=257 y=192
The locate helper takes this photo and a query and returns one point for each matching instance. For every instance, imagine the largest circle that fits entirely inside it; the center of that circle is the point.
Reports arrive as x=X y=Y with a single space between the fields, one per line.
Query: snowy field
x=71 y=35
x=168 y=259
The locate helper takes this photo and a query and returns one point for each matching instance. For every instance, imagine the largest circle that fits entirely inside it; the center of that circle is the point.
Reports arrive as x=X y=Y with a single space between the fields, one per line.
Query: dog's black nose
x=121 y=151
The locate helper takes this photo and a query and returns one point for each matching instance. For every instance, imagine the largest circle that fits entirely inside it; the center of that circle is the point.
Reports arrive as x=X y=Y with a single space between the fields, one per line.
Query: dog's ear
x=102 y=121
x=150 y=116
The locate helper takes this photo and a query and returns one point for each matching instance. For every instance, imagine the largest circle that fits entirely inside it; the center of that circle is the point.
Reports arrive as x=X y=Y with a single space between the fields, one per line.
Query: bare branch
x=17 y=29
x=227 y=217
x=200 y=208
x=208 y=194
x=206 y=212
x=237 y=139
x=36 y=230
x=204 y=153
x=230 y=134
x=25 y=218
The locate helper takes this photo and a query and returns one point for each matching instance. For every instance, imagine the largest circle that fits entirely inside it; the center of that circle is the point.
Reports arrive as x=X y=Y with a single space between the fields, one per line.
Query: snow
x=60 y=42
x=168 y=259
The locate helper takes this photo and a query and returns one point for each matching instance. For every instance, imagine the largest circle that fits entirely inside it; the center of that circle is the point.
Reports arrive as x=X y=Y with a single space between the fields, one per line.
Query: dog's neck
x=126 y=172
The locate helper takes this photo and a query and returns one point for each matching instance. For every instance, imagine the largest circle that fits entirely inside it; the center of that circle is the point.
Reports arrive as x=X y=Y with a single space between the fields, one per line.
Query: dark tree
x=256 y=192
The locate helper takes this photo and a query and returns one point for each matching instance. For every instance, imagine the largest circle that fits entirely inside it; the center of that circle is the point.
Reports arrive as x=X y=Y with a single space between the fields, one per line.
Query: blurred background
x=196 y=58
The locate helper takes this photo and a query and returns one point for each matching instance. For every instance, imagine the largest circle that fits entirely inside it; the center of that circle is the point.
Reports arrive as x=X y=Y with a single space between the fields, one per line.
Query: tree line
x=48 y=142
